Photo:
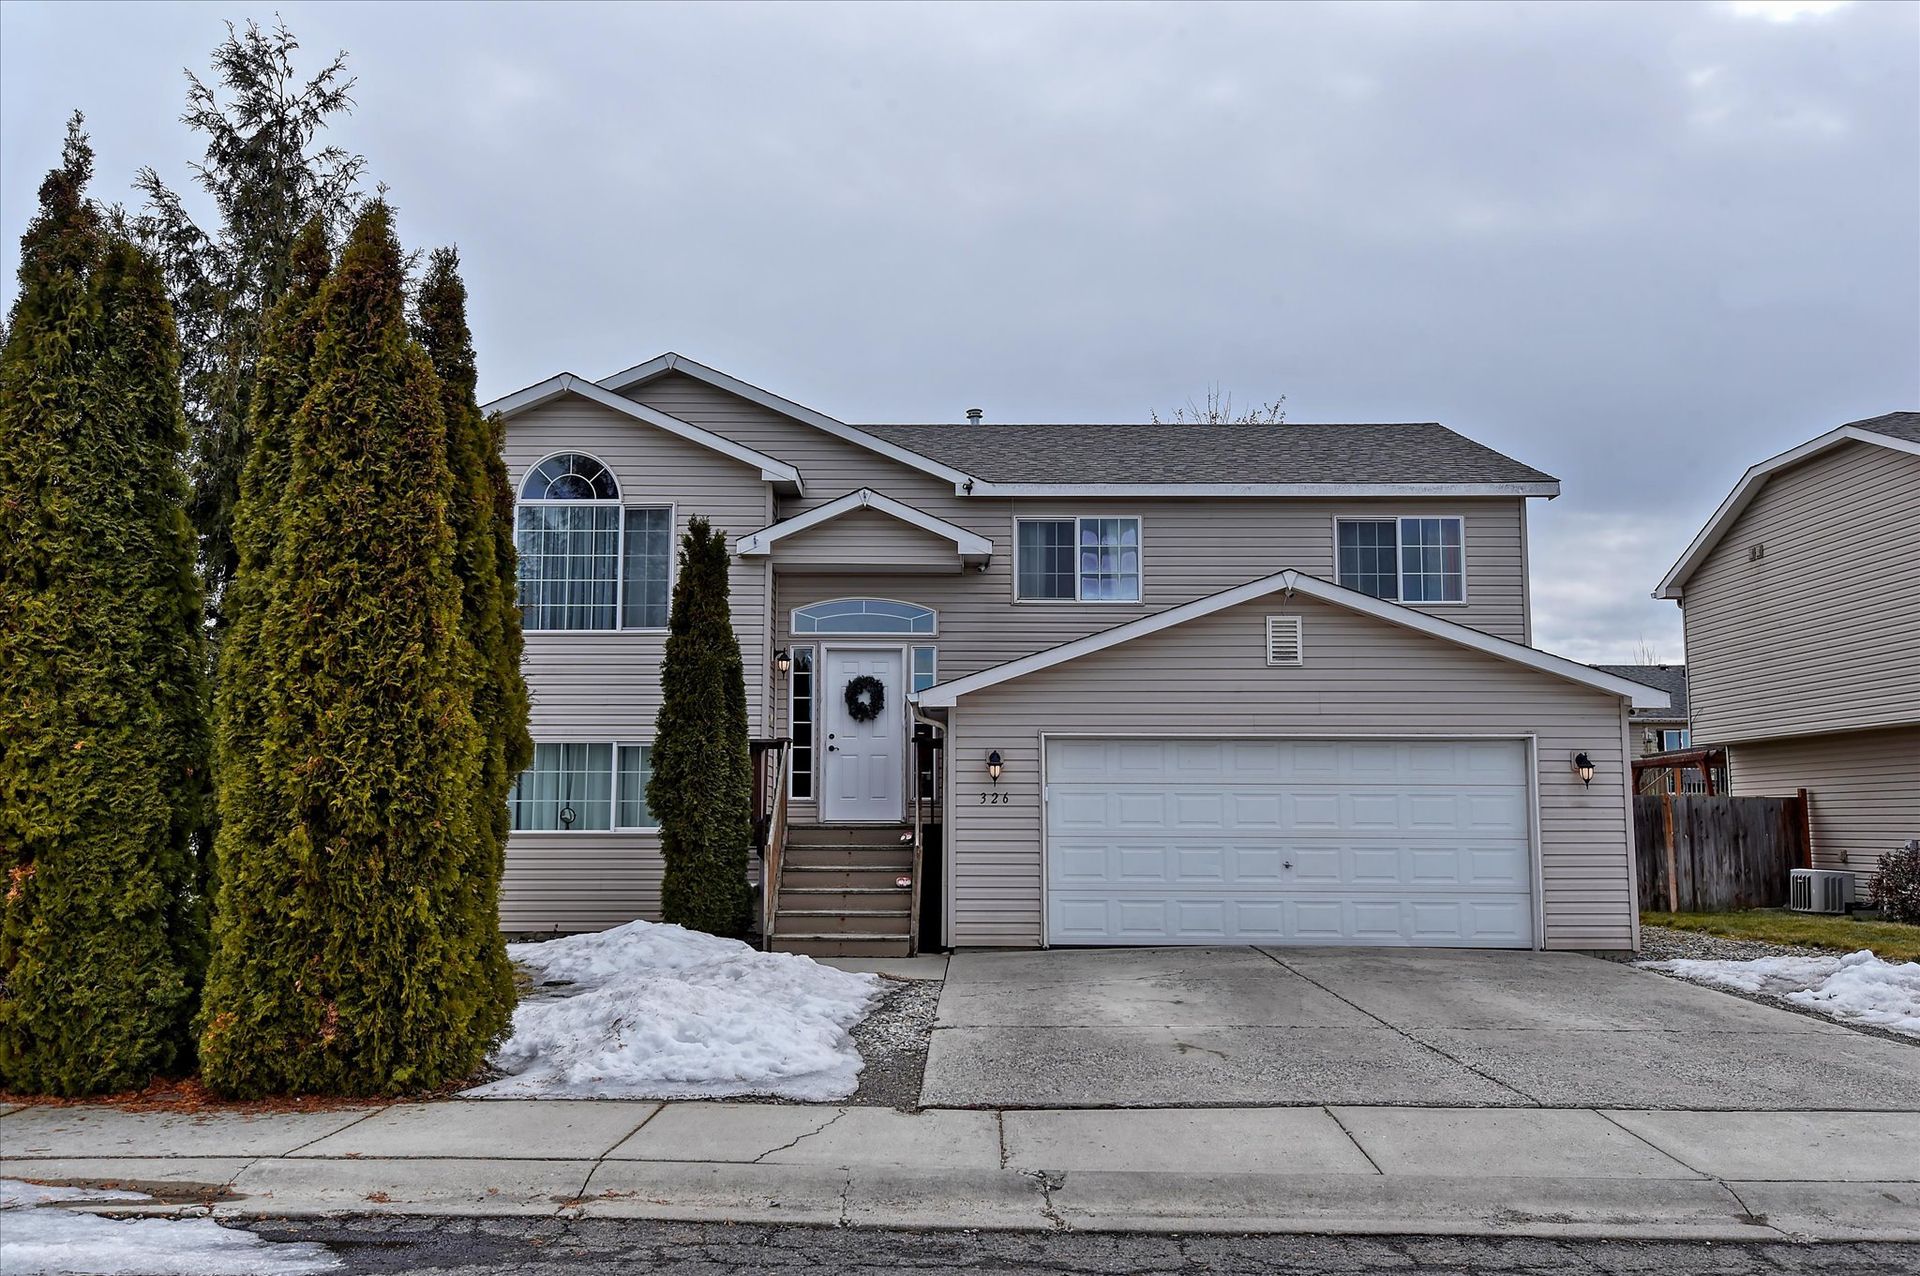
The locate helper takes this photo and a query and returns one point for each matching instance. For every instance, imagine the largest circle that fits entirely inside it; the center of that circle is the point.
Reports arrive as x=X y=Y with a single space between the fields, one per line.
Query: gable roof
x=971 y=546
x=1414 y=455
x=946 y=694
x=772 y=469
x=1418 y=459
x=1671 y=679
x=661 y=365
x=1897 y=430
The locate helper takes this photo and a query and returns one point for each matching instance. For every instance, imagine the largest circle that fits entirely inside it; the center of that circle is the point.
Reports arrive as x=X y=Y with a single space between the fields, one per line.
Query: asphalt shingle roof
x=1900 y=425
x=1414 y=452
x=1671 y=679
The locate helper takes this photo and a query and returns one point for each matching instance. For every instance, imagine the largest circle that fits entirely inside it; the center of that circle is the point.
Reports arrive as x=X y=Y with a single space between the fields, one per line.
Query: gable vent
x=1284 y=645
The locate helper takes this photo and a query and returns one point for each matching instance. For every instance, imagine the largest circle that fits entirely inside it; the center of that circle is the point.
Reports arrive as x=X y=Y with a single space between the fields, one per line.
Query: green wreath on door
x=866 y=696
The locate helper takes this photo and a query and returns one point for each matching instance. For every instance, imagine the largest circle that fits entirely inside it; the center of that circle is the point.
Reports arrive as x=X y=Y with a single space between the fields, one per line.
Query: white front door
x=865 y=761
x=1249 y=841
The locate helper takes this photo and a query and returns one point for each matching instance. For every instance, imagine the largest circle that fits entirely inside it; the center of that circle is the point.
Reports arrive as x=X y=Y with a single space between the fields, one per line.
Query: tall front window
x=1409 y=560
x=800 y=723
x=587 y=562
x=1089 y=560
x=583 y=787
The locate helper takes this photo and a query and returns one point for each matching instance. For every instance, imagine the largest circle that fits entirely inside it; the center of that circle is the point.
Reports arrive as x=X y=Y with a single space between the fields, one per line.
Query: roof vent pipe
x=974 y=415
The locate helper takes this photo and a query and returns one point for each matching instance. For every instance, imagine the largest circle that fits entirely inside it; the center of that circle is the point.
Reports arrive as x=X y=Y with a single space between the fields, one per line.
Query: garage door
x=1395 y=842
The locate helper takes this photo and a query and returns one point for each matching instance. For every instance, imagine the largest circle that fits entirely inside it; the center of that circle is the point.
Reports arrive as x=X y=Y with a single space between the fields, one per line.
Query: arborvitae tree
x=102 y=751
x=482 y=515
x=267 y=179
x=253 y=808
x=702 y=786
x=337 y=965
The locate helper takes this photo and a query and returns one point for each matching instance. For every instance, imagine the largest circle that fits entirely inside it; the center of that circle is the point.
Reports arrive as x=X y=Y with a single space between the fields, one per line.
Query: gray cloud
x=1638 y=246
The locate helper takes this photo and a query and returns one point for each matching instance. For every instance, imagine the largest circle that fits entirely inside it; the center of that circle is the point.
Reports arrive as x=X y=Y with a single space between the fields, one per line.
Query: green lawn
x=1890 y=941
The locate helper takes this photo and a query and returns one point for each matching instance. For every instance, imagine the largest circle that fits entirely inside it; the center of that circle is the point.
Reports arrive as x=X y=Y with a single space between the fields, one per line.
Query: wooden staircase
x=840 y=893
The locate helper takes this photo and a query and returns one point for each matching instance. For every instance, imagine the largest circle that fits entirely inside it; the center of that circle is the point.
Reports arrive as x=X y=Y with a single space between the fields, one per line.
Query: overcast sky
x=1638 y=246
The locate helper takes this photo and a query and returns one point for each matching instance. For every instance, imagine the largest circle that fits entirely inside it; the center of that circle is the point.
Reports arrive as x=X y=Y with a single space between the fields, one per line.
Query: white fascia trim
x=1122 y=490
x=969 y=545
x=1743 y=493
x=772 y=470
x=663 y=364
x=1641 y=696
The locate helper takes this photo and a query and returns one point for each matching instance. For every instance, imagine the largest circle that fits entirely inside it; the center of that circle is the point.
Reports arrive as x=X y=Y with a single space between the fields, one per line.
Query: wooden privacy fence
x=1717 y=854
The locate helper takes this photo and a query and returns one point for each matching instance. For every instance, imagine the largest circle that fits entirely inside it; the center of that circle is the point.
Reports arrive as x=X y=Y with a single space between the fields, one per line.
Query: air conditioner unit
x=1819 y=890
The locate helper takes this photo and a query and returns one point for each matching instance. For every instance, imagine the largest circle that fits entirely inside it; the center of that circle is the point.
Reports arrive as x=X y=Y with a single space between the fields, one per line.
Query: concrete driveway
x=1445 y=1028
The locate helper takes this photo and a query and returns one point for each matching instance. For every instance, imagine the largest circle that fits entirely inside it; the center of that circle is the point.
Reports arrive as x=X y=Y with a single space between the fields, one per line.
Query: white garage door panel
x=1289 y=841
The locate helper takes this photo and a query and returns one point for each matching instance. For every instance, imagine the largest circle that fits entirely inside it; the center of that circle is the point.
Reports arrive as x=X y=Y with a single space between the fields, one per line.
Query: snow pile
x=39 y=1240
x=661 y=1012
x=1856 y=988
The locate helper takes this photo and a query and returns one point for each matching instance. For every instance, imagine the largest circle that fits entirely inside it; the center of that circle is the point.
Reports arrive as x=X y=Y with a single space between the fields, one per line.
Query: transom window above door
x=1089 y=560
x=1408 y=560
x=864 y=616
x=588 y=562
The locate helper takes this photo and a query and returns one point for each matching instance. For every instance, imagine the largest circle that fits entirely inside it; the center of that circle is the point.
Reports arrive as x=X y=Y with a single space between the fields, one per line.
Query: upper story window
x=1409 y=560
x=864 y=616
x=587 y=561
x=1089 y=560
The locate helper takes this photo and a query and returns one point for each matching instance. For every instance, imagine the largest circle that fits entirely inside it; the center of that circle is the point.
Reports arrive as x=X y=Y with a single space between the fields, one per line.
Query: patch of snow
x=1856 y=988
x=661 y=1012
x=39 y=1239
x=17 y=1195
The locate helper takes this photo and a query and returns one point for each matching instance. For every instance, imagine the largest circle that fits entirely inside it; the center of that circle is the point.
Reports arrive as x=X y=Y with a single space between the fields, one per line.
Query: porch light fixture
x=1583 y=767
x=782 y=662
x=993 y=766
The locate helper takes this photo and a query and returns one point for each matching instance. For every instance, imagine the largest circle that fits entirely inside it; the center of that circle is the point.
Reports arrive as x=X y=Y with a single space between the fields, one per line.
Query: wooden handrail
x=770 y=762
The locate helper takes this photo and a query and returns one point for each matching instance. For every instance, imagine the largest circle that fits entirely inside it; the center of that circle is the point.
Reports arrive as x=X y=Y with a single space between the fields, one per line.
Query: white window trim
x=816 y=636
x=622 y=504
x=1013 y=583
x=813 y=709
x=1400 y=574
x=1661 y=738
x=933 y=654
x=613 y=793
x=673 y=566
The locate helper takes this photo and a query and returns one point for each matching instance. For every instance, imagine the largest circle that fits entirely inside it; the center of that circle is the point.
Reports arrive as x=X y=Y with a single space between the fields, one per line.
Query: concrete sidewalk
x=1468 y=1171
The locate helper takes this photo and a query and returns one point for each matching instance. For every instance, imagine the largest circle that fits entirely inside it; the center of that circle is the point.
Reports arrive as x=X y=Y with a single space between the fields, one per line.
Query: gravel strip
x=893 y=1041
x=1660 y=943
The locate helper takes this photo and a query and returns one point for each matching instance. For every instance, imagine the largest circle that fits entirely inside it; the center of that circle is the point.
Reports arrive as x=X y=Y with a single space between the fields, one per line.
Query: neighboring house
x=1801 y=602
x=1244 y=683
x=1657 y=730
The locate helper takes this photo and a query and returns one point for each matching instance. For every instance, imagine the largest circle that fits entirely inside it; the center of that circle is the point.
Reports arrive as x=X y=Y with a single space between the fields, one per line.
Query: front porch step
x=880 y=835
x=827 y=921
x=843 y=899
x=893 y=857
x=843 y=945
x=843 y=877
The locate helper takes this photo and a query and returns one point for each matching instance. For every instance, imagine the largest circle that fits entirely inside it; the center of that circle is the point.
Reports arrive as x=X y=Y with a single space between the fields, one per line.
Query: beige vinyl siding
x=865 y=540
x=1361 y=677
x=1817 y=635
x=1191 y=547
x=1863 y=787
x=606 y=686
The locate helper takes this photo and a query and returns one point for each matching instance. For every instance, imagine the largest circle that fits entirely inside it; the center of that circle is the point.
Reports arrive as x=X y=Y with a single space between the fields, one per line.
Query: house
x=1657 y=730
x=1801 y=605
x=1192 y=684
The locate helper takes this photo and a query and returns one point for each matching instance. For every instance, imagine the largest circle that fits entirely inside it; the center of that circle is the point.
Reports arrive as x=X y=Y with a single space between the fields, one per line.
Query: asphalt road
x=550 y=1247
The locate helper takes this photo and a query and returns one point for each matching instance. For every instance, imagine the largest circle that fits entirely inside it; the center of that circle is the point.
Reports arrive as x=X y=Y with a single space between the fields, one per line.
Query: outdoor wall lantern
x=993 y=765
x=1583 y=766
x=782 y=662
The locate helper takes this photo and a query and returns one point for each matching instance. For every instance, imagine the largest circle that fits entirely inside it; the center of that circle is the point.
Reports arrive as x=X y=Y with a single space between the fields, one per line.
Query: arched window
x=568 y=532
x=570 y=476
x=863 y=616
